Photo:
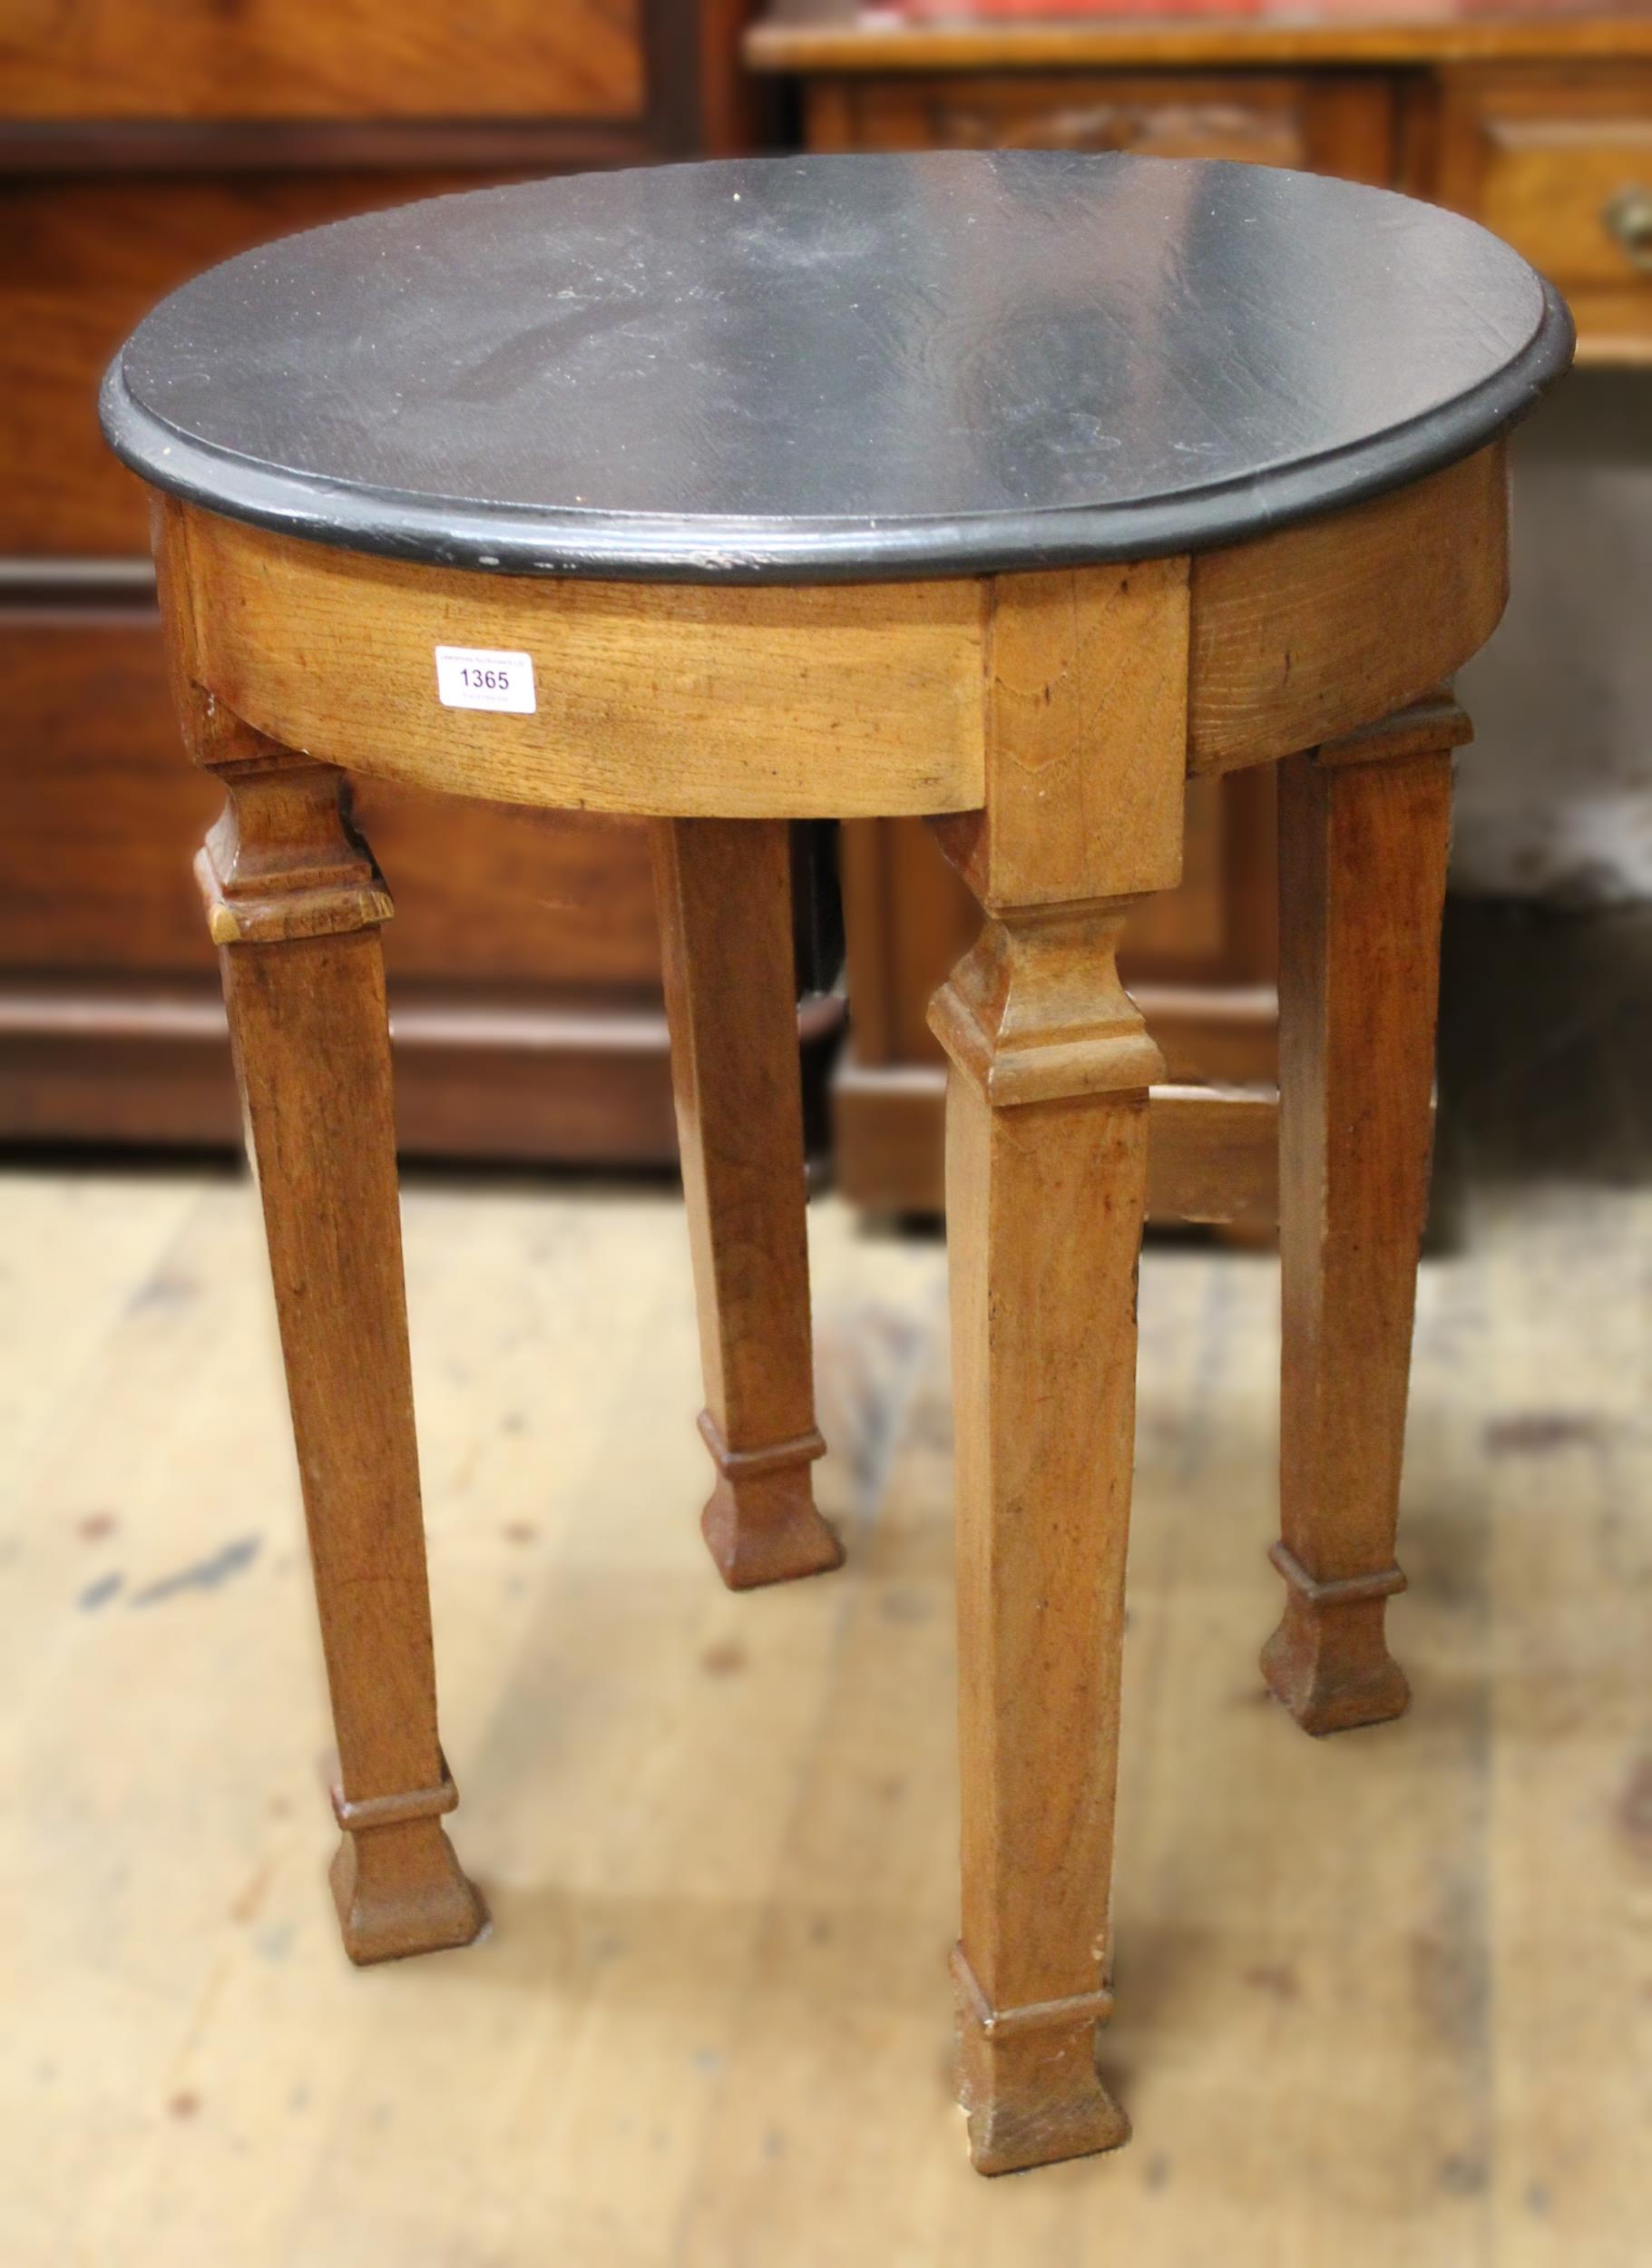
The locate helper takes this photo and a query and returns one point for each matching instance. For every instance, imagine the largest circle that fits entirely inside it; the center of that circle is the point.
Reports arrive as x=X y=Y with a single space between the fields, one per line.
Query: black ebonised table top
x=837 y=367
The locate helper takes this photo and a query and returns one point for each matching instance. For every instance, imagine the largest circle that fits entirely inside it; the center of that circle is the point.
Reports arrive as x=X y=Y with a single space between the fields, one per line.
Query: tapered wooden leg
x=295 y=903
x=724 y=893
x=1046 y=1179
x=1046 y=1184
x=1363 y=832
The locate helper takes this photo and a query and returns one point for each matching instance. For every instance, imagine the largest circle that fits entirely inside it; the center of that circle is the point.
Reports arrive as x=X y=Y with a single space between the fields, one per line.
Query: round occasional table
x=1004 y=489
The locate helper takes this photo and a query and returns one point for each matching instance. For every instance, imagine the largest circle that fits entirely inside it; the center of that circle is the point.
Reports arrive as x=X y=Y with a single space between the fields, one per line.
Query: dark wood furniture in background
x=139 y=143
x=1535 y=119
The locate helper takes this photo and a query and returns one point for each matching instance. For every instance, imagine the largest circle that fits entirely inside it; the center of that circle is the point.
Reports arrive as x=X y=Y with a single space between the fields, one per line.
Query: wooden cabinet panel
x=490 y=893
x=142 y=140
x=1561 y=165
x=81 y=260
x=907 y=918
x=103 y=811
x=104 y=814
x=321 y=58
x=1334 y=122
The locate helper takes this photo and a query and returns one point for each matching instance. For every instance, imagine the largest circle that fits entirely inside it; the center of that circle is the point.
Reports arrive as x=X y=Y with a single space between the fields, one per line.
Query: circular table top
x=808 y=369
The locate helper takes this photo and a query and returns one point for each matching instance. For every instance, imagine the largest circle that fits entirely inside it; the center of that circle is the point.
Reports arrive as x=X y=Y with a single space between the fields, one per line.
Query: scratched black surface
x=809 y=368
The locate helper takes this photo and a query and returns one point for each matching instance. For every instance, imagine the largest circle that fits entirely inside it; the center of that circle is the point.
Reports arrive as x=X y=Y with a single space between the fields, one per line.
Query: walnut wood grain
x=1086 y=704
x=1046 y=1183
x=724 y=891
x=1364 y=828
x=1045 y=1205
x=295 y=903
x=1299 y=635
x=1308 y=633
x=320 y=59
x=893 y=721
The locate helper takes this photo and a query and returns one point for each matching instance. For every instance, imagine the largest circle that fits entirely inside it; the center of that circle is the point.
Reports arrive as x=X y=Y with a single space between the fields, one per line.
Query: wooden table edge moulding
x=1038 y=685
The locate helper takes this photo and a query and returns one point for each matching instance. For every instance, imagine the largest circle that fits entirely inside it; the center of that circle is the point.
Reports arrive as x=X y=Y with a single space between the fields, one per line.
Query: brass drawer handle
x=1627 y=217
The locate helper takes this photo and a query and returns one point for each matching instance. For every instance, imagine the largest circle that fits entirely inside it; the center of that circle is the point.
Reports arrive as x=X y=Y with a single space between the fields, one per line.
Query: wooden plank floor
x=1386 y=1999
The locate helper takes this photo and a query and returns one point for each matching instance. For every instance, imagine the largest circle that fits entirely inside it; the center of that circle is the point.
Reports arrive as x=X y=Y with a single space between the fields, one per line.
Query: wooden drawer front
x=1561 y=165
x=81 y=260
x=306 y=59
x=1328 y=123
x=104 y=814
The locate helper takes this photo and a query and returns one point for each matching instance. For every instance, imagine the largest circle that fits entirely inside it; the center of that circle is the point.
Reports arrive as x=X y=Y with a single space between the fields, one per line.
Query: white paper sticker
x=480 y=677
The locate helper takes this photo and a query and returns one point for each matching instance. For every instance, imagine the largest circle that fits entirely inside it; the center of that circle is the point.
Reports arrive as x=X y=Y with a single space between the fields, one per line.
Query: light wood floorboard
x=1382 y=1998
